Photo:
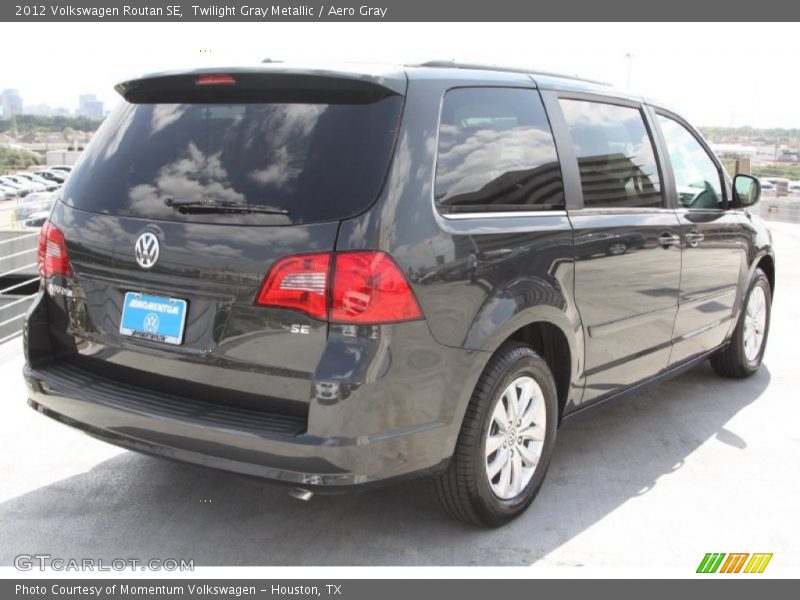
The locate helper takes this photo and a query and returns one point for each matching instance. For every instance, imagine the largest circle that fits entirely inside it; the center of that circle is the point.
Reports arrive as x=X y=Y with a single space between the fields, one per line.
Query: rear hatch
x=182 y=202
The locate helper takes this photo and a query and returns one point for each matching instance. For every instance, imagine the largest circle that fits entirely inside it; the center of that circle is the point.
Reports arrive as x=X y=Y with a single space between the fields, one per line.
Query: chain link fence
x=20 y=221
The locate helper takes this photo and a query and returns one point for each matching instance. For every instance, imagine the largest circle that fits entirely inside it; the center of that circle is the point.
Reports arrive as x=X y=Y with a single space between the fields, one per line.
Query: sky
x=713 y=74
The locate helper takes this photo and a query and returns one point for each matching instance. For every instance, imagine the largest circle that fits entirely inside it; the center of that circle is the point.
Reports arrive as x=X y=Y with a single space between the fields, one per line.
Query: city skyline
x=12 y=100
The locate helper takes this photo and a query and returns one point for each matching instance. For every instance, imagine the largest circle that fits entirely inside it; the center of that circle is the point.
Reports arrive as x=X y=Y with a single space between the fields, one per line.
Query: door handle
x=668 y=239
x=693 y=238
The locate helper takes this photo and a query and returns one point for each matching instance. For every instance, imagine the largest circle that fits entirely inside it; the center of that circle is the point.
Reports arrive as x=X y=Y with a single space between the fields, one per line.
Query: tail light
x=300 y=283
x=350 y=287
x=52 y=255
x=215 y=80
x=368 y=287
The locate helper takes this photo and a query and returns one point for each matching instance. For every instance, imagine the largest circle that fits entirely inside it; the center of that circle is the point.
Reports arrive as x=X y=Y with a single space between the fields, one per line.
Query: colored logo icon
x=738 y=562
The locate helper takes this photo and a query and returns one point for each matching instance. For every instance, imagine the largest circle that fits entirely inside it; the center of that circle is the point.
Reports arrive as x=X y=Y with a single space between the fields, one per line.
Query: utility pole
x=629 y=58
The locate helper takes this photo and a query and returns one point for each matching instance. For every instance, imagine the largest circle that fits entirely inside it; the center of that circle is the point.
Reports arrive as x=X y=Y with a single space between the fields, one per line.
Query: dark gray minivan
x=338 y=278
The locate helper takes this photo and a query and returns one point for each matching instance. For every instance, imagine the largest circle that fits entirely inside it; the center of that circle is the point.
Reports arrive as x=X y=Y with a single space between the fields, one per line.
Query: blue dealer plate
x=153 y=318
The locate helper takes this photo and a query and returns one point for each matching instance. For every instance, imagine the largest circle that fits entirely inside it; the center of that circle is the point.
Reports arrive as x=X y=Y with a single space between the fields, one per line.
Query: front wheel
x=505 y=443
x=743 y=355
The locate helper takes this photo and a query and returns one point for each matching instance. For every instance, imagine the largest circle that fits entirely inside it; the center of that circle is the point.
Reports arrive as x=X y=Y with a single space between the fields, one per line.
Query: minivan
x=337 y=278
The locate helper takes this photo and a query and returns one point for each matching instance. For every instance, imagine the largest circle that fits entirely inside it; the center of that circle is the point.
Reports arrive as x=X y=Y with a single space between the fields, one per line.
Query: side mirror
x=746 y=190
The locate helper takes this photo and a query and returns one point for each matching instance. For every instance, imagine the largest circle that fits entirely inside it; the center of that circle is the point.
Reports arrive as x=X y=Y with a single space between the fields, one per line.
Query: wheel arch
x=767 y=264
x=764 y=260
x=551 y=343
x=556 y=339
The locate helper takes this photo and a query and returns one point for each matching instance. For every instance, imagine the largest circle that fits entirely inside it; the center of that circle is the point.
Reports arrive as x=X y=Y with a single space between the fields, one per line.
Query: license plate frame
x=153 y=318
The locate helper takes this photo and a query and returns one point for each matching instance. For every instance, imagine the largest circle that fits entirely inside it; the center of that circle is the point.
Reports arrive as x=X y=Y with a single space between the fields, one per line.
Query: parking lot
x=698 y=464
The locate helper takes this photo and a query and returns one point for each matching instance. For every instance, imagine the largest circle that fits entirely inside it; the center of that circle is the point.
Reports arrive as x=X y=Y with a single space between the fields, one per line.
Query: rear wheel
x=506 y=440
x=742 y=356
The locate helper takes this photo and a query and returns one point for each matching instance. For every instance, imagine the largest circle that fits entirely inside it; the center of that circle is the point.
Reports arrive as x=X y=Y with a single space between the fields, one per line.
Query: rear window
x=313 y=161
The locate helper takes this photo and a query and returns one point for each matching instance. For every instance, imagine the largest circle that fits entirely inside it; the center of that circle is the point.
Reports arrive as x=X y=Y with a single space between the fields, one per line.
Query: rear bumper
x=386 y=403
x=274 y=447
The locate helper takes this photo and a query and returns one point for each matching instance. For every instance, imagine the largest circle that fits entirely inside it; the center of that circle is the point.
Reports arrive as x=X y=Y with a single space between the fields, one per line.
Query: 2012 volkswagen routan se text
x=337 y=278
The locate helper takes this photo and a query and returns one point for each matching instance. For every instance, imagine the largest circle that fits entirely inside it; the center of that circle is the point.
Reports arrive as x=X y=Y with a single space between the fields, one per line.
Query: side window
x=615 y=154
x=496 y=153
x=697 y=179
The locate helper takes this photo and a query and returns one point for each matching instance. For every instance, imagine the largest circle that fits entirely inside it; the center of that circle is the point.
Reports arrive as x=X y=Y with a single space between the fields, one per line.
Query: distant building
x=11 y=103
x=62 y=157
x=90 y=106
x=738 y=150
x=43 y=110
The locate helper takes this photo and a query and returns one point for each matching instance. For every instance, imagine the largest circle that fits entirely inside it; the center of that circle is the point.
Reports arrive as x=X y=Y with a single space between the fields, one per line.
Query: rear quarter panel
x=477 y=280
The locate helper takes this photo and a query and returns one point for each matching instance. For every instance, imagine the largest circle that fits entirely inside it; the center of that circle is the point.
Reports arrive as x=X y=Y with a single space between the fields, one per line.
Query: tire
x=465 y=490
x=732 y=360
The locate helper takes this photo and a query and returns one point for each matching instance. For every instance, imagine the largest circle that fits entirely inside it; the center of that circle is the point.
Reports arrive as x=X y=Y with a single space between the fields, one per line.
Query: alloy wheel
x=755 y=323
x=515 y=438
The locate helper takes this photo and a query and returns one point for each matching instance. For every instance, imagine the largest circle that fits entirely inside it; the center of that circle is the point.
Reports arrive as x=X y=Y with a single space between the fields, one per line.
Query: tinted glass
x=496 y=153
x=696 y=176
x=317 y=161
x=615 y=155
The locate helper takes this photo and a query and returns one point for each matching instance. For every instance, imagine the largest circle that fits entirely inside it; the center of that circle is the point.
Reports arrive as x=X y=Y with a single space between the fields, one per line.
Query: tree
x=27 y=123
x=12 y=159
x=69 y=135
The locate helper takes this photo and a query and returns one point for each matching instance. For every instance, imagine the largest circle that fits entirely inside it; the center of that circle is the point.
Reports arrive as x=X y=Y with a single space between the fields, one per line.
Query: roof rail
x=451 y=64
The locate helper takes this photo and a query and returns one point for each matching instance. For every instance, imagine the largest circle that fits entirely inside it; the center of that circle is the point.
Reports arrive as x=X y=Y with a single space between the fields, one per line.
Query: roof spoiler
x=237 y=85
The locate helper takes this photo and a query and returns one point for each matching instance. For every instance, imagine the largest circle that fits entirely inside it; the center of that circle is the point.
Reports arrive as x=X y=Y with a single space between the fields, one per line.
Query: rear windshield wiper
x=210 y=206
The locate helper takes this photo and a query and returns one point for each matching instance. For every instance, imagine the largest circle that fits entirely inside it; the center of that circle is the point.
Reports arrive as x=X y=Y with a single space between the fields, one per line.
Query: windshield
x=309 y=161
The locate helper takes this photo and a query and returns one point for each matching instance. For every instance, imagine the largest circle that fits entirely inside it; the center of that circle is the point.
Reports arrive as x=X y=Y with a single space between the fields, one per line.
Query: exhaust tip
x=301 y=494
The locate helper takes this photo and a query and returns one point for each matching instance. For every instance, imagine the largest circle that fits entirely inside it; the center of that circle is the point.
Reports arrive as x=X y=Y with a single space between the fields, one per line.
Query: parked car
x=37 y=219
x=7 y=192
x=62 y=168
x=23 y=186
x=794 y=187
x=50 y=186
x=338 y=279
x=31 y=204
x=27 y=182
x=56 y=176
x=611 y=242
x=780 y=185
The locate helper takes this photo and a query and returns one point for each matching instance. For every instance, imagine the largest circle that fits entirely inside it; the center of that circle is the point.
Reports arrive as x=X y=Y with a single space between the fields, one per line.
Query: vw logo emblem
x=150 y=324
x=146 y=250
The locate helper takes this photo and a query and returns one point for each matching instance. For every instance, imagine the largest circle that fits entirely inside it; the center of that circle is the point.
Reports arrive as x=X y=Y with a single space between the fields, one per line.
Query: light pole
x=629 y=58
